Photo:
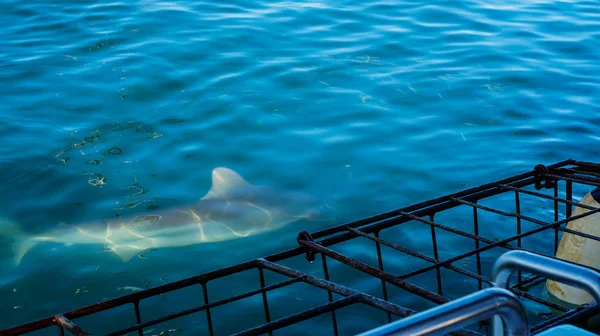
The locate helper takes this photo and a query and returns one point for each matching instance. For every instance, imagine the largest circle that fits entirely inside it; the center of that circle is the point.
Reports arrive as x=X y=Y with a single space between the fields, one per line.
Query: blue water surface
x=366 y=105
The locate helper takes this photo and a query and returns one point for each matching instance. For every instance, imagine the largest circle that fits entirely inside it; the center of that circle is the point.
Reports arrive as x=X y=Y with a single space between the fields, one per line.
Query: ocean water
x=120 y=107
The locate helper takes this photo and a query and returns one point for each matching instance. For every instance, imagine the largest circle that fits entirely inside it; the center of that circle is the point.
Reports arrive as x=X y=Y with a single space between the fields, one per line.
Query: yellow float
x=579 y=250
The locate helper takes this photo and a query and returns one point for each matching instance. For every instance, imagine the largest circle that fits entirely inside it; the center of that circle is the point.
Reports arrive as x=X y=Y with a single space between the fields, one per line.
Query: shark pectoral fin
x=224 y=182
x=126 y=252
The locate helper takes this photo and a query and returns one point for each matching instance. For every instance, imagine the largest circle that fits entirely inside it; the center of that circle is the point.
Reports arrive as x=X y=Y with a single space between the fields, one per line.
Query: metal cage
x=532 y=209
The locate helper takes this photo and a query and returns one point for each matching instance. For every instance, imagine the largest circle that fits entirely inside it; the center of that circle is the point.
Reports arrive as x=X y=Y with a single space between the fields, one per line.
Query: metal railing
x=461 y=313
x=549 y=268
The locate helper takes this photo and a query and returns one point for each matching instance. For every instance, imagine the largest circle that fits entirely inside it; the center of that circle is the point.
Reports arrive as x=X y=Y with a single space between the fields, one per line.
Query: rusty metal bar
x=538 y=300
x=264 y=298
x=477 y=256
x=204 y=307
x=65 y=323
x=138 y=316
x=591 y=165
x=555 y=215
x=518 y=211
x=580 y=313
x=573 y=171
x=421 y=256
x=520 y=287
x=533 y=220
x=569 y=190
x=336 y=288
x=499 y=243
x=436 y=256
x=579 y=171
x=451 y=230
x=208 y=315
x=375 y=272
x=579 y=179
x=531 y=281
x=380 y=264
x=533 y=193
x=500 y=212
x=305 y=315
x=330 y=295
x=345 y=291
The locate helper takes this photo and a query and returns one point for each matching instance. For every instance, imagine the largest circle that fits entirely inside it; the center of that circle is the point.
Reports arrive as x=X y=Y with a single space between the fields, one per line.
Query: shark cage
x=357 y=276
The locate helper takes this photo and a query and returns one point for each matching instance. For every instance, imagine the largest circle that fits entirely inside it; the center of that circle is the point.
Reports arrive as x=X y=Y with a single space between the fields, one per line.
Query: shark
x=233 y=208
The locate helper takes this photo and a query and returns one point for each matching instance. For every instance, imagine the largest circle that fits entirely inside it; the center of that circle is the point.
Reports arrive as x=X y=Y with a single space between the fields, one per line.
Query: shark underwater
x=232 y=209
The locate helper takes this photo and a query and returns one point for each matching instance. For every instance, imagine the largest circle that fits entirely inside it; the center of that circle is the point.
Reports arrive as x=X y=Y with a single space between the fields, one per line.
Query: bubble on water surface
x=114 y=151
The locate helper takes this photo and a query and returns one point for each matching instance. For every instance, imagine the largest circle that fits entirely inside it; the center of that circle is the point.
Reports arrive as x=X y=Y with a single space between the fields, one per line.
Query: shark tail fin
x=21 y=241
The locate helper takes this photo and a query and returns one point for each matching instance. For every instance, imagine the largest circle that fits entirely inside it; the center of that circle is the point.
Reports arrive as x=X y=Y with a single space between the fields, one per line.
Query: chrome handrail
x=460 y=313
x=550 y=268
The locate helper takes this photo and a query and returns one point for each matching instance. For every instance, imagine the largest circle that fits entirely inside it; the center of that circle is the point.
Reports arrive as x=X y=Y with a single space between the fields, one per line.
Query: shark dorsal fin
x=224 y=182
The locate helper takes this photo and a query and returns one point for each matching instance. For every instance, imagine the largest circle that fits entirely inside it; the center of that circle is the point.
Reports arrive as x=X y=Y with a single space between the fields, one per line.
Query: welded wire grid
x=386 y=266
